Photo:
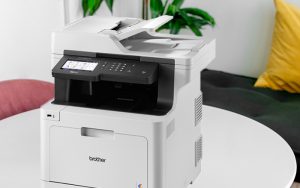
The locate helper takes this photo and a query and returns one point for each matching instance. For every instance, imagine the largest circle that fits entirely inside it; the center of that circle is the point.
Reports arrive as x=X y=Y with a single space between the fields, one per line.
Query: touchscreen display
x=79 y=65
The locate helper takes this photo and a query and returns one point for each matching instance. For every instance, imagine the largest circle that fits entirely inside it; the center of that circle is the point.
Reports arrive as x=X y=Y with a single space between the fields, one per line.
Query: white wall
x=244 y=33
x=25 y=33
x=126 y=8
x=25 y=37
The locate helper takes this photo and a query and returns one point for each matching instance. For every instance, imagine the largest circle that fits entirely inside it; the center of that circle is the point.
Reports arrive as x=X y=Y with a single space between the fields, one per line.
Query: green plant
x=89 y=7
x=190 y=17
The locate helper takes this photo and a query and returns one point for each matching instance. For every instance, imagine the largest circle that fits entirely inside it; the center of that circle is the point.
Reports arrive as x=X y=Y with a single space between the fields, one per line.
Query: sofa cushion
x=18 y=96
x=283 y=69
x=279 y=110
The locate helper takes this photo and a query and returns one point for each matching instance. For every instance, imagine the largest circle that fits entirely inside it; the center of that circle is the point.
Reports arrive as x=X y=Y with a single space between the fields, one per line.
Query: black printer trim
x=151 y=83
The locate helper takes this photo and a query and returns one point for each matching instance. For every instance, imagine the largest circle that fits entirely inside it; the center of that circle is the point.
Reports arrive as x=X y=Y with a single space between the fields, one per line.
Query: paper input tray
x=92 y=157
x=161 y=45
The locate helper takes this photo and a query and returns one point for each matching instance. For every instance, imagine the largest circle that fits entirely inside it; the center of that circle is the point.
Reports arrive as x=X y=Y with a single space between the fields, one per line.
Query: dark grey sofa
x=278 y=110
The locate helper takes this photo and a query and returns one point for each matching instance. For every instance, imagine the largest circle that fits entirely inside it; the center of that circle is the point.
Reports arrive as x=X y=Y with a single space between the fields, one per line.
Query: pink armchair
x=18 y=96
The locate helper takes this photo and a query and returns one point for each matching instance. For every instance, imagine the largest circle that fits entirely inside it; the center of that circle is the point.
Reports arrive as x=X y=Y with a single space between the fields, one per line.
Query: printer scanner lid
x=127 y=35
x=120 y=27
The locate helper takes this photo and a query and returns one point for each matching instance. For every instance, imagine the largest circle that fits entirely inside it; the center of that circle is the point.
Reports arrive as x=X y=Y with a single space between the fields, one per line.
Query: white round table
x=238 y=153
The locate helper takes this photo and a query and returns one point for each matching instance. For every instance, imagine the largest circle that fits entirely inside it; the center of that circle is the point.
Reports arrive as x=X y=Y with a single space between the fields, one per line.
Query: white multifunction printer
x=127 y=106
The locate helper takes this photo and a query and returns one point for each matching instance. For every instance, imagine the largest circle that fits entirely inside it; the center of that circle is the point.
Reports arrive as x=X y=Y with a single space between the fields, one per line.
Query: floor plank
x=296 y=185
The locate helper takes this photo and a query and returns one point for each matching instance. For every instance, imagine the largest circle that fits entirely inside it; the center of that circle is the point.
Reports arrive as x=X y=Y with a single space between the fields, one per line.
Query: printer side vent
x=198 y=151
x=198 y=110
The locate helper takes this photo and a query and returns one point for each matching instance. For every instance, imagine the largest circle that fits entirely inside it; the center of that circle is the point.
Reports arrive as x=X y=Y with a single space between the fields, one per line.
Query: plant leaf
x=85 y=7
x=91 y=4
x=156 y=7
x=171 y=10
x=200 y=22
x=110 y=4
x=175 y=27
x=165 y=6
x=195 y=30
x=178 y=3
x=181 y=21
x=201 y=13
x=168 y=25
x=190 y=23
x=95 y=4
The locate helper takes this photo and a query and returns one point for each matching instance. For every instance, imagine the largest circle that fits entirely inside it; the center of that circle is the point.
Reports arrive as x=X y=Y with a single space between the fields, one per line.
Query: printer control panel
x=117 y=82
x=107 y=69
x=130 y=71
x=117 y=67
x=128 y=67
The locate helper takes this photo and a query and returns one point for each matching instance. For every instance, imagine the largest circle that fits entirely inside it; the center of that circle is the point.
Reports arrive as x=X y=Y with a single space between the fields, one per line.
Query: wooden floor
x=296 y=185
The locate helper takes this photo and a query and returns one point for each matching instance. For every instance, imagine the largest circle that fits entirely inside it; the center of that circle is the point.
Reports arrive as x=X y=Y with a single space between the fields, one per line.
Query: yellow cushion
x=283 y=69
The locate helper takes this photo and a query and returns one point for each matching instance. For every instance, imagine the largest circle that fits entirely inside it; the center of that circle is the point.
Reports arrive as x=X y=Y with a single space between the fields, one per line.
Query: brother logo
x=97 y=159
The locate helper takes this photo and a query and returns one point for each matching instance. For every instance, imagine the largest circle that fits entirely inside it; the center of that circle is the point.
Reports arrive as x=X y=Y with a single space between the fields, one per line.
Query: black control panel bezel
x=160 y=80
x=109 y=69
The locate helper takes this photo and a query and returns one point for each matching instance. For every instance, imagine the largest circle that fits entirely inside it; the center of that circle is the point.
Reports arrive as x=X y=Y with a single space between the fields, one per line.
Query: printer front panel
x=114 y=82
x=97 y=158
x=134 y=144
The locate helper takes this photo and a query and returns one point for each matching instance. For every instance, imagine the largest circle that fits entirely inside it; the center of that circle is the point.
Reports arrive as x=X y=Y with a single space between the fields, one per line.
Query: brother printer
x=127 y=106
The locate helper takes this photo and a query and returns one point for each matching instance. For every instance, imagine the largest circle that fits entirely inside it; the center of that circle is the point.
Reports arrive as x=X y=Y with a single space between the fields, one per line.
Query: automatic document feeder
x=127 y=106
